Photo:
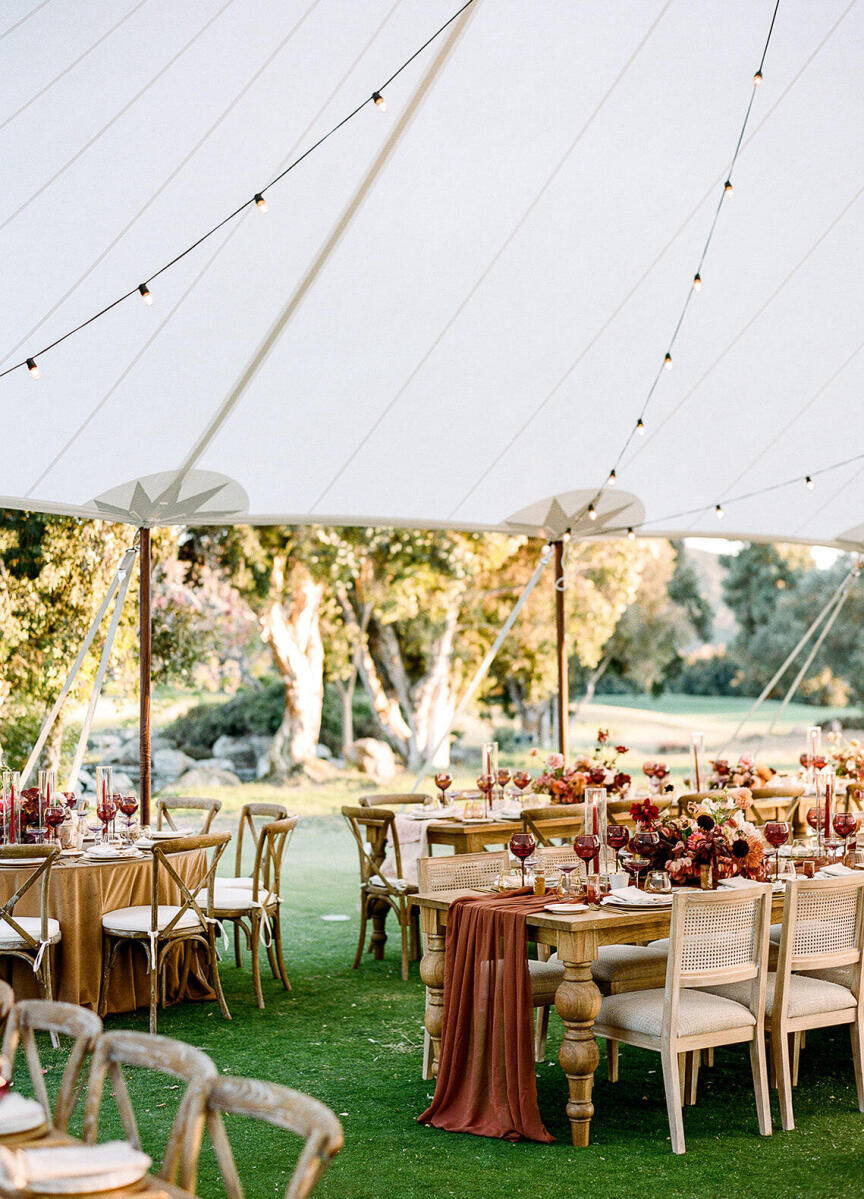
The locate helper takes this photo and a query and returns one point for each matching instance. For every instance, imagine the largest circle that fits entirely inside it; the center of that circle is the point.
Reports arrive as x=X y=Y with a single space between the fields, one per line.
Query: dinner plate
x=564 y=909
x=623 y=905
x=118 y=856
x=166 y=834
x=71 y=853
x=19 y=862
x=475 y=819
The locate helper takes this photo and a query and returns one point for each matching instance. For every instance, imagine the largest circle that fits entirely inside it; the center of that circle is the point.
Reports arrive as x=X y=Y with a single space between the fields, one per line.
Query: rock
x=208 y=776
x=159 y=741
x=122 y=782
x=105 y=742
x=374 y=758
x=214 y=764
x=171 y=763
x=242 y=752
x=86 y=781
x=124 y=755
x=323 y=751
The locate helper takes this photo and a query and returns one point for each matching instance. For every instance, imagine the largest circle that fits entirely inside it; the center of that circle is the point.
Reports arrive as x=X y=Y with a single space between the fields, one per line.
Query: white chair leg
x=612 y=1060
x=541 y=1029
x=783 y=1073
x=761 y=1090
x=858 y=1062
x=672 y=1084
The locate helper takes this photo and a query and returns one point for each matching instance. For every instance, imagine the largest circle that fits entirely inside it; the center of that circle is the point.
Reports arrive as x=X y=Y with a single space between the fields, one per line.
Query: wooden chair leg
x=612 y=1048
x=796 y=1056
x=858 y=1061
x=782 y=1070
x=271 y=956
x=107 y=960
x=404 y=931
x=672 y=1085
x=541 y=1031
x=691 y=1077
x=276 y=946
x=709 y=1056
x=154 y=988
x=364 y=916
x=214 y=972
x=256 y=965
x=759 y=1066
x=237 y=960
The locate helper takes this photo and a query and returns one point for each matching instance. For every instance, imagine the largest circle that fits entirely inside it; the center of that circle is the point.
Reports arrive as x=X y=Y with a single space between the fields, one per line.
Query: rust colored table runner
x=486 y=1081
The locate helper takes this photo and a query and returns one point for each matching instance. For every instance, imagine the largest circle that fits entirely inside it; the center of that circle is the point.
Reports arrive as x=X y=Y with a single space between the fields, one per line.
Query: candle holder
x=814 y=751
x=697 y=759
x=594 y=819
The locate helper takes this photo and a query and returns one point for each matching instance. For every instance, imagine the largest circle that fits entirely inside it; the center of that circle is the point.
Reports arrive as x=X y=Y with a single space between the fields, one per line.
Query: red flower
x=621 y=749
x=645 y=812
x=602 y=736
x=598 y=776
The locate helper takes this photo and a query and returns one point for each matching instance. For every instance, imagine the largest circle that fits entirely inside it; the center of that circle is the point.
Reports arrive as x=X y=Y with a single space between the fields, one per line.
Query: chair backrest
x=461 y=871
x=267 y=869
x=43 y=859
x=718 y=937
x=7 y=1000
x=253 y=817
x=81 y=1026
x=822 y=925
x=283 y=1108
x=372 y=827
x=113 y=1051
x=166 y=807
x=391 y=801
x=558 y=855
x=163 y=868
x=784 y=791
x=553 y=820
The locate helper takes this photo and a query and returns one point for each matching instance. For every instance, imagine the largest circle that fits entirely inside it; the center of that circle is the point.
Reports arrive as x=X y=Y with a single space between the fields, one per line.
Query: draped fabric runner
x=486 y=1081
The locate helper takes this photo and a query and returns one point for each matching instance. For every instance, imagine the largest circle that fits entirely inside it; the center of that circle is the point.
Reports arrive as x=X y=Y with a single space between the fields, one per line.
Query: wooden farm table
x=81 y=891
x=577 y=939
x=471 y=837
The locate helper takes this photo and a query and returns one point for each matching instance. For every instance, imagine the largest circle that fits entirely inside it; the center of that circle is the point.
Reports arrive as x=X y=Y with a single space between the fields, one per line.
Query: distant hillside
x=710 y=572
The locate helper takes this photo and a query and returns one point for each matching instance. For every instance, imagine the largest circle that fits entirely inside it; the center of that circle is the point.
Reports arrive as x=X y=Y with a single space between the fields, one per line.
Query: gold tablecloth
x=81 y=891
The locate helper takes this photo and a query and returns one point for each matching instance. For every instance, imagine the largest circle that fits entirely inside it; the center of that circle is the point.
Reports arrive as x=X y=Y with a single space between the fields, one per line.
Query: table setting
x=80 y=1170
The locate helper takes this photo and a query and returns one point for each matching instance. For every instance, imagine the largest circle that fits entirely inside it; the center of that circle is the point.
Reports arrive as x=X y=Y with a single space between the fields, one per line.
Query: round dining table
x=82 y=889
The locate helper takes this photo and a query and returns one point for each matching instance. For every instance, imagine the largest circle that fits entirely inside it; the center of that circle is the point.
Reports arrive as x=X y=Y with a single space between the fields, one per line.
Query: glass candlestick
x=697 y=758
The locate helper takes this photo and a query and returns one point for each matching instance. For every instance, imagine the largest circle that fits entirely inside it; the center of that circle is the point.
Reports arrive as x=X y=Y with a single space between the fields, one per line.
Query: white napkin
x=19 y=1114
x=108 y=851
x=23 y=1167
x=630 y=895
x=507 y=812
x=430 y=813
x=835 y=870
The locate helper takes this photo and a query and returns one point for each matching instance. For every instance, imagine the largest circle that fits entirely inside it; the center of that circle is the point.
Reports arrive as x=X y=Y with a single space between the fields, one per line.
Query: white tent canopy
x=486 y=330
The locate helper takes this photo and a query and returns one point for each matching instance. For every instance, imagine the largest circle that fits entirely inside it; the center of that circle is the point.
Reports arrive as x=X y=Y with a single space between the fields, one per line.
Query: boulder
x=122 y=782
x=169 y=764
x=374 y=758
x=323 y=751
x=242 y=752
x=208 y=776
x=214 y=764
x=126 y=754
x=105 y=741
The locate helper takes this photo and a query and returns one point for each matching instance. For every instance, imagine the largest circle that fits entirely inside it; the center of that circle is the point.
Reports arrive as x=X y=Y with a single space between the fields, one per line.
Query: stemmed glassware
x=502 y=777
x=586 y=847
x=521 y=780
x=522 y=845
x=776 y=834
x=486 y=783
x=106 y=809
x=129 y=806
x=845 y=824
x=617 y=838
x=54 y=815
x=443 y=779
x=644 y=842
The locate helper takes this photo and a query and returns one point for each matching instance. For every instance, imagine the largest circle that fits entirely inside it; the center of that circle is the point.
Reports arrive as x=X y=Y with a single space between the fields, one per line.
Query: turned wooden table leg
x=432 y=974
x=578 y=1002
x=378 y=910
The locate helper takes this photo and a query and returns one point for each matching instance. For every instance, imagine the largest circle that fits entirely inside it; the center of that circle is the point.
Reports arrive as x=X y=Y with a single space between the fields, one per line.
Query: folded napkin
x=24 y=1167
x=507 y=812
x=19 y=1114
x=732 y=884
x=108 y=851
x=835 y=870
x=430 y=813
x=630 y=895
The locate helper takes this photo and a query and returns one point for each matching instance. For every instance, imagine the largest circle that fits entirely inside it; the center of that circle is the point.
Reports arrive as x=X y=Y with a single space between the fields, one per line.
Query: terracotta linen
x=81 y=891
x=486 y=1082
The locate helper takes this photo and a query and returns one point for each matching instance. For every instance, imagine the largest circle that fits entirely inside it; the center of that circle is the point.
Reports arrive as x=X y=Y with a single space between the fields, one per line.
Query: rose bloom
x=621 y=749
x=743 y=798
x=851 y=765
x=598 y=776
x=554 y=761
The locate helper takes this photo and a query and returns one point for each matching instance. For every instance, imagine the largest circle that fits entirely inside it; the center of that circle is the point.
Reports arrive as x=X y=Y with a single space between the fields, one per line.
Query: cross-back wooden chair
x=392 y=801
x=775 y=802
x=160 y=928
x=717 y=938
x=112 y=1052
x=31 y=938
x=283 y=1108
x=7 y=1000
x=253 y=817
x=254 y=910
x=553 y=821
x=166 y=809
x=81 y=1026
x=372 y=828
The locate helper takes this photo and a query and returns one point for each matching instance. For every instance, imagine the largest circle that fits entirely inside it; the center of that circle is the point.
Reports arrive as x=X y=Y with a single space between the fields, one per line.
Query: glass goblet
x=522 y=845
x=522 y=779
x=486 y=783
x=586 y=847
x=617 y=838
x=644 y=843
x=106 y=811
x=776 y=833
x=443 y=779
x=845 y=824
x=54 y=817
x=129 y=806
x=502 y=778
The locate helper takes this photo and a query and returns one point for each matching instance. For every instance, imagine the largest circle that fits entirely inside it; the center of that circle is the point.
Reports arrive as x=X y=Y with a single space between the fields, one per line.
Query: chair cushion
x=545 y=977
x=774 y=934
x=699 y=1012
x=137 y=919
x=808 y=996
x=842 y=975
x=236 y=881
x=233 y=899
x=9 y=939
x=618 y=964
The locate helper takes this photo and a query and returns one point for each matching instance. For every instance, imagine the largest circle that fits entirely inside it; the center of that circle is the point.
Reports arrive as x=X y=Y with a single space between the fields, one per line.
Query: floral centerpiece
x=566 y=784
x=846 y=756
x=714 y=834
x=744 y=773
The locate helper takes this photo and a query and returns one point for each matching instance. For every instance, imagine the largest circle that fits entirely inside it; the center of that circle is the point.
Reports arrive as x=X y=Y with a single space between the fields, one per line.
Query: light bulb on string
x=33 y=368
x=145 y=293
x=808 y=482
x=718 y=511
x=697 y=282
x=565 y=536
x=613 y=478
x=631 y=535
x=379 y=101
x=640 y=427
x=261 y=203
x=592 y=512
x=728 y=188
x=667 y=361
x=757 y=79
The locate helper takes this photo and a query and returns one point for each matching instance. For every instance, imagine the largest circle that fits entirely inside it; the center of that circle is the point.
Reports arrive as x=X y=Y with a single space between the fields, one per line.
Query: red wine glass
x=776 y=833
x=503 y=777
x=106 y=811
x=443 y=779
x=486 y=783
x=845 y=824
x=820 y=761
x=54 y=817
x=522 y=845
x=644 y=844
x=128 y=806
x=586 y=846
x=617 y=838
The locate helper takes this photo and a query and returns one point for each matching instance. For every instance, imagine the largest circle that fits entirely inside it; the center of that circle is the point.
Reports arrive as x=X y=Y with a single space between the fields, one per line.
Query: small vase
x=706 y=877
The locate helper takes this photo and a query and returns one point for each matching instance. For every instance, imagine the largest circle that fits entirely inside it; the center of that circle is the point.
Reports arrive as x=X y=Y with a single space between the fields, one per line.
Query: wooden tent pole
x=563 y=695
x=144 y=664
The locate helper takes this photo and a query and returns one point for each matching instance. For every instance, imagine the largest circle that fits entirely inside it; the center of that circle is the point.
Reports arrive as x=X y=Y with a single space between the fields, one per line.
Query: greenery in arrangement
x=354 y=1040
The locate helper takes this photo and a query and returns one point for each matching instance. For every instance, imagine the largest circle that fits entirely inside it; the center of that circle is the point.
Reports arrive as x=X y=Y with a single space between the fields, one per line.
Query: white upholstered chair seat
x=808 y=996
x=843 y=976
x=234 y=899
x=644 y=965
x=243 y=880
x=699 y=1013
x=137 y=919
x=32 y=925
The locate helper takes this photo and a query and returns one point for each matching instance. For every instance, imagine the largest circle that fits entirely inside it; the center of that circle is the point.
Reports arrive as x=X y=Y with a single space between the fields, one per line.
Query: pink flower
x=555 y=762
x=743 y=798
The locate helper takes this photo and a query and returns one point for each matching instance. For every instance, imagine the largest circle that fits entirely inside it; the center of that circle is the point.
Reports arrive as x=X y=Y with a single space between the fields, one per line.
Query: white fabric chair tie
x=220 y=932
x=153 y=936
x=37 y=961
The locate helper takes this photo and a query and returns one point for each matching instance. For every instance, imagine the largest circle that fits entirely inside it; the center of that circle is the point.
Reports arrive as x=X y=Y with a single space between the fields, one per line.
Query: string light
x=697 y=282
x=757 y=79
x=261 y=203
x=808 y=482
x=592 y=512
x=728 y=188
x=640 y=427
x=718 y=511
x=33 y=368
x=565 y=536
x=145 y=293
x=667 y=361
x=631 y=536
x=610 y=482
x=380 y=102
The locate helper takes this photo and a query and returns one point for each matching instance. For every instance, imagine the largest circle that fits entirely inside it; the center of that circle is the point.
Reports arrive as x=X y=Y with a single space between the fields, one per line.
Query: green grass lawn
x=354 y=1039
